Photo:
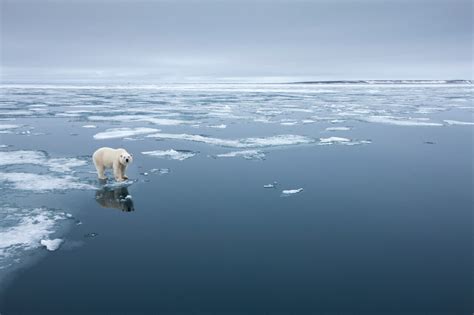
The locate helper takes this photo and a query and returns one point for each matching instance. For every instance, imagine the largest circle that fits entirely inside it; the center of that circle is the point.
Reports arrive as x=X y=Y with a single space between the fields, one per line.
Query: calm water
x=383 y=223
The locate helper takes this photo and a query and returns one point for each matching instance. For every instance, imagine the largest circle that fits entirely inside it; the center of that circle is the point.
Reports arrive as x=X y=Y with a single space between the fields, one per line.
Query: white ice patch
x=246 y=154
x=280 y=140
x=289 y=192
x=338 y=128
x=52 y=245
x=89 y=126
x=7 y=127
x=171 y=154
x=64 y=165
x=221 y=126
x=457 y=122
x=139 y=118
x=41 y=183
x=24 y=229
x=61 y=165
x=398 y=121
x=332 y=140
x=123 y=132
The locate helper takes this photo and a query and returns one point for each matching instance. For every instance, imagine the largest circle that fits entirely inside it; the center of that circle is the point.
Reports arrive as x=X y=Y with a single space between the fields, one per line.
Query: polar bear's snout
x=126 y=159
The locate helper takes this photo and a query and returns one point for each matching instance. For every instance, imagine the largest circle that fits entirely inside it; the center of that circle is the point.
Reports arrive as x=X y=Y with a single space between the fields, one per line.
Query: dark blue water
x=384 y=226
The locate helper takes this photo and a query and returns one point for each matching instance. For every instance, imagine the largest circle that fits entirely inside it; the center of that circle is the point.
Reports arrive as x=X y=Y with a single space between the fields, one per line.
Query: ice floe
x=457 y=122
x=9 y=126
x=53 y=244
x=338 y=128
x=171 y=154
x=221 y=126
x=24 y=229
x=280 y=140
x=60 y=165
x=290 y=192
x=123 y=132
x=272 y=185
x=139 y=118
x=399 y=121
x=41 y=183
x=246 y=154
x=89 y=126
x=332 y=140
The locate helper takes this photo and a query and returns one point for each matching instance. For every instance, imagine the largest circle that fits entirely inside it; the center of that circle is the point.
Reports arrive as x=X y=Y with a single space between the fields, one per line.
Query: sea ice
x=399 y=121
x=221 y=126
x=139 y=118
x=52 y=245
x=338 y=128
x=89 y=126
x=246 y=154
x=123 y=132
x=42 y=183
x=457 y=122
x=171 y=154
x=61 y=165
x=280 y=140
x=272 y=185
x=332 y=140
x=23 y=229
x=291 y=191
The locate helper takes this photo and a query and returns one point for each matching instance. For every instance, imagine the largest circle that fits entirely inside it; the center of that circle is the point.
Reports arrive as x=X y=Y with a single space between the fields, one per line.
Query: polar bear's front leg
x=118 y=172
x=123 y=169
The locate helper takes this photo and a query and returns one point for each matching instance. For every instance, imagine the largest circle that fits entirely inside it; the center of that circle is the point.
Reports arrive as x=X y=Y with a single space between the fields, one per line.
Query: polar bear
x=117 y=159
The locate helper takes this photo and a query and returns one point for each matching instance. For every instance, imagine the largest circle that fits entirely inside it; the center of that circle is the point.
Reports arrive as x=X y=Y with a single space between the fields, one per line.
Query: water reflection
x=117 y=198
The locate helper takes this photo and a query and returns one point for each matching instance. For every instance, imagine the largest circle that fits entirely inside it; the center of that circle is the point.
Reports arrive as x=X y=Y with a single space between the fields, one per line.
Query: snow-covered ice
x=291 y=191
x=246 y=154
x=280 y=140
x=338 y=128
x=41 y=183
x=123 y=132
x=457 y=122
x=171 y=154
x=53 y=244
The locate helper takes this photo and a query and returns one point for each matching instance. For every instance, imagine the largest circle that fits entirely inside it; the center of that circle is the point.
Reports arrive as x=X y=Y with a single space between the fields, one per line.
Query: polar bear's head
x=125 y=158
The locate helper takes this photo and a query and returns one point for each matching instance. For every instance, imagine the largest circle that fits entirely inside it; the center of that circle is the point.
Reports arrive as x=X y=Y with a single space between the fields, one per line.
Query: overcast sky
x=207 y=40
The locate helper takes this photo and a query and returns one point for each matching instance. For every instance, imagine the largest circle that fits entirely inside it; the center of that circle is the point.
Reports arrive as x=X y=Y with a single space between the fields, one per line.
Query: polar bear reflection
x=117 y=198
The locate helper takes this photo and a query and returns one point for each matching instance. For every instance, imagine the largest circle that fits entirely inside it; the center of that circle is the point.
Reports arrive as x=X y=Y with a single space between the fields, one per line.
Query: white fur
x=116 y=159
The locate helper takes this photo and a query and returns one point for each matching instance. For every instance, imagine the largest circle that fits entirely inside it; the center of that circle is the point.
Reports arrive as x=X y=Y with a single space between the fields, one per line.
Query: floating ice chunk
x=221 y=126
x=23 y=229
x=288 y=123
x=52 y=245
x=338 y=128
x=5 y=127
x=246 y=154
x=272 y=185
x=280 y=140
x=61 y=165
x=42 y=183
x=171 y=154
x=123 y=132
x=22 y=157
x=308 y=121
x=337 y=121
x=399 y=121
x=456 y=122
x=332 y=140
x=139 y=118
x=291 y=191
x=89 y=126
